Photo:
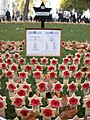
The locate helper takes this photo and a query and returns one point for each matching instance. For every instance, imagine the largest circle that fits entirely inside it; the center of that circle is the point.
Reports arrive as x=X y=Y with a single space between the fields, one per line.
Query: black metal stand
x=42 y=24
x=42 y=14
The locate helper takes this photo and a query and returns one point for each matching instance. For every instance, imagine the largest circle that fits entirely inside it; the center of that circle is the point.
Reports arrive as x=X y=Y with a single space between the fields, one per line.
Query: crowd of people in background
x=73 y=17
x=65 y=16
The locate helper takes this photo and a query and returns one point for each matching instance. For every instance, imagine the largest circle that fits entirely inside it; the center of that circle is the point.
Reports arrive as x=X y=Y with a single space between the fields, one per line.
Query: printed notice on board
x=43 y=42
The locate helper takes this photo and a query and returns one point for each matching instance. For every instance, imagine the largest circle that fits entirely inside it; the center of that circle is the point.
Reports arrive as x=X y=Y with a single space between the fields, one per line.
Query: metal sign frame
x=43 y=42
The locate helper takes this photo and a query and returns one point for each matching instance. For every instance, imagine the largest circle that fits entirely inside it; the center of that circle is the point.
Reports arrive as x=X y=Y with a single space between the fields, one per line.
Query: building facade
x=4 y=6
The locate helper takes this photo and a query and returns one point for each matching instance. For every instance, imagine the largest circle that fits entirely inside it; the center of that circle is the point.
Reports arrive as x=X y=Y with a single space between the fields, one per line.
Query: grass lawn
x=70 y=32
x=16 y=32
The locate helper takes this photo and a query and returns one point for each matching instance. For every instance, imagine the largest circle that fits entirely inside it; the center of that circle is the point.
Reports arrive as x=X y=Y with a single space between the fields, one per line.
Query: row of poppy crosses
x=52 y=109
x=68 y=64
x=10 y=68
x=68 y=68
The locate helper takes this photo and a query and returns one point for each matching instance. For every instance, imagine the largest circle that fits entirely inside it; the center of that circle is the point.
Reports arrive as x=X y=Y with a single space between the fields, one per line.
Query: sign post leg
x=42 y=24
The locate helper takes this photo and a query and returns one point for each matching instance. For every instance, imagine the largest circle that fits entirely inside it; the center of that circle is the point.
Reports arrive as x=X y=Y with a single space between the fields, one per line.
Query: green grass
x=70 y=32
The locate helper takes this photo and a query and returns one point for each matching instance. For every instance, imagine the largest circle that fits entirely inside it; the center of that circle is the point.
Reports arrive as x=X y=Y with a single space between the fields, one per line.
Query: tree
x=66 y=5
x=22 y=5
x=26 y=10
x=78 y=5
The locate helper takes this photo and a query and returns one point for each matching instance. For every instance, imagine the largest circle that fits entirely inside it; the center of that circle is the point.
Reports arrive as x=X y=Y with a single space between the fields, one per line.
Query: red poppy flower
x=70 y=57
x=54 y=62
x=8 y=61
x=84 y=69
x=85 y=86
x=87 y=55
x=66 y=60
x=72 y=68
x=7 y=55
x=1 y=60
x=22 y=75
x=26 y=87
x=76 y=60
x=62 y=68
x=79 y=75
x=52 y=75
x=1 y=105
x=87 y=61
x=3 y=66
x=57 y=87
x=35 y=102
x=73 y=42
x=88 y=104
x=47 y=112
x=21 y=61
x=42 y=86
x=18 y=102
x=16 y=55
x=13 y=42
x=24 y=113
x=73 y=101
x=38 y=67
x=33 y=61
x=55 y=103
x=28 y=68
x=63 y=43
x=9 y=74
x=44 y=61
x=14 y=68
x=21 y=93
x=23 y=43
x=88 y=76
x=11 y=87
x=66 y=74
x=78 y=55
x=51 y=68
x=72 y=87
x=37 y=75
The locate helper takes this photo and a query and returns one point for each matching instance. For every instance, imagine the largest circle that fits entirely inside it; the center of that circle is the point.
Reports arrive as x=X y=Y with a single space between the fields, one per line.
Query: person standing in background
x=8 y=17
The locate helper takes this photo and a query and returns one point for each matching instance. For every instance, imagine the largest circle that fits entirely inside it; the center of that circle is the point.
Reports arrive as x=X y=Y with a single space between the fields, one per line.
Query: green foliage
x=65 y=89
x=81 y=111
x=3 y=90
x=10 y=111
x=0 y=71
x=78 y=5
x=22 y=5
x=44 y=102
x=66 y=5
x=31 y=2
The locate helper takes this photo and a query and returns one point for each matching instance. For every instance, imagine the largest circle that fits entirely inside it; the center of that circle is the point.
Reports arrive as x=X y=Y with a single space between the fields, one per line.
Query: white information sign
x=43 y=42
